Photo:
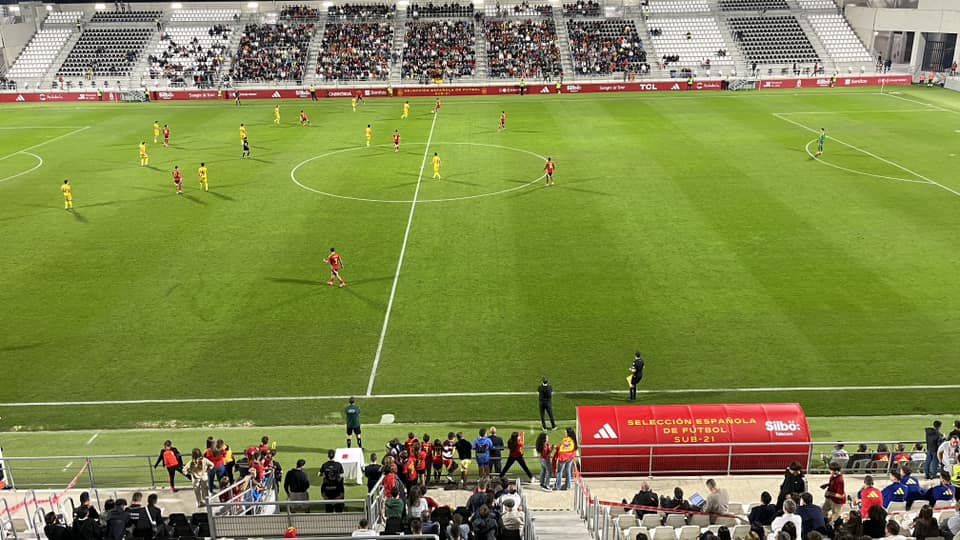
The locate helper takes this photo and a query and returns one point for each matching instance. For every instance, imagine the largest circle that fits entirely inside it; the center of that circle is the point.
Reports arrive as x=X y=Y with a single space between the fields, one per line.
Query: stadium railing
x=120 y=471
x=264 y=519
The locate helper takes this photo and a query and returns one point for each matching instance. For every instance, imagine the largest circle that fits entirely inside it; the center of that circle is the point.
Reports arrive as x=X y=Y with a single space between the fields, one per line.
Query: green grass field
x=695 y=228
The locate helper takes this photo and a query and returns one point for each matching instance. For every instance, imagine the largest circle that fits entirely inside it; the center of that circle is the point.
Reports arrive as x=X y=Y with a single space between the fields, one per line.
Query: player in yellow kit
x=243 y=133
x=353 y=103
x=67 y=191
x=406 y=110
x=202 y=173
x=436 y=165
x=369 y=134
x=276 y=114
x=144 y=158
x=156 y=131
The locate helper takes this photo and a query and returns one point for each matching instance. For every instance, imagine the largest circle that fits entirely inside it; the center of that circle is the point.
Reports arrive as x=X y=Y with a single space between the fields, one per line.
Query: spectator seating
x=773 y=40
x=586 y=9
x=838 y=38
x=752 y=5
x=705 y=41
x=817 y=4
x=523 y=9
x=676 y=6
x=272 y=52
x=602 y=47
x=126 y=16
x=105 y=51
x=63 y=17
x=299 y=13
x=438 y=50
x=522 y=48
x=39 y=53
x=190 y=55
x=355 y=51
x=204 y=15
x=435 y=10
x=355 y=12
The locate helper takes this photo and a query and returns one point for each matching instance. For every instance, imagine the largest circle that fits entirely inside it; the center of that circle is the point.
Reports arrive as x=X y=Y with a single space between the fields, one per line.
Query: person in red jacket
x=869 y=496
x=515 y=455
x=835 y=495
x=172 y=461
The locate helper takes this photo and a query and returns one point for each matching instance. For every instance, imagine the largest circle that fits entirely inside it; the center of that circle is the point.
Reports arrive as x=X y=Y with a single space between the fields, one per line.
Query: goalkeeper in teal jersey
x=820 y=140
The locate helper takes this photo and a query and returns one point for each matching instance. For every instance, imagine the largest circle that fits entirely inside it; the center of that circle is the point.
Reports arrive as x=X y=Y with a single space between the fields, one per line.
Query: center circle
x=424 y=177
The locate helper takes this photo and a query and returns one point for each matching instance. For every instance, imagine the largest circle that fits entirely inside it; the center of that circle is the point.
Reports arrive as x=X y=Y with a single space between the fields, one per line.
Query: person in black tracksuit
x=636 y=375
x=546 y=403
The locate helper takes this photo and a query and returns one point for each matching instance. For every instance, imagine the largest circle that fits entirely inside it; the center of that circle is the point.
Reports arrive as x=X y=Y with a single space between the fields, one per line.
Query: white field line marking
x=35 y=167
x=871 y=154
x=403 y=251
x=477 y=394
x=48 y=141
x=65 y=469
x=835 y=166
x=41 y=127
x=94 y=437
x=931 y=106
x=884 y=111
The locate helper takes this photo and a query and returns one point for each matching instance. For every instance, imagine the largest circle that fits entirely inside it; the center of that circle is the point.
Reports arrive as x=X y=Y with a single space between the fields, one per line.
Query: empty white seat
x=632 y=532
x=688 y=532
x=651 y=521
x=675 y=520
x=664 y=533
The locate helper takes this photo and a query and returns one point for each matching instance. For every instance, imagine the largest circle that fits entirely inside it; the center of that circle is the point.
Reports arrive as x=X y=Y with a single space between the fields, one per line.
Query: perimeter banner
x=691 y=439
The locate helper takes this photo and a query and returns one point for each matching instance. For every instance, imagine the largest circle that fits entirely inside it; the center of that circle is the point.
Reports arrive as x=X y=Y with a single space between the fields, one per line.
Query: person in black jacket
x=86 y=527
x=636 y=375
x=484 y=526
x=934 y=438
x=546 y=403
x=54 y=528
x=645 y=497
x=116 y=520
x=793 y=482
x=764 y=514
x=297 y=485
x=372 y=472
x=332 y=487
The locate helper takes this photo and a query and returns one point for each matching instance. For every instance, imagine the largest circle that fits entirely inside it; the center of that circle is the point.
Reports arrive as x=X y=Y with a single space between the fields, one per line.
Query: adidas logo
x=606 y=432
x=20 y=97
x=275 y=94
x=676 y=86
x=545 y=90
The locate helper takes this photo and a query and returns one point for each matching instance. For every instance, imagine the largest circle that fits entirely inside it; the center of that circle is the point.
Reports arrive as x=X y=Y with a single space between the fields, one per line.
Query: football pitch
x=698 y=229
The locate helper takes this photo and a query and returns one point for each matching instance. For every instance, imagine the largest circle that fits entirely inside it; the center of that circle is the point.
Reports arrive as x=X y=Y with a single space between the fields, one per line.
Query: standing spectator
x=117 y=520
x=332 y=487
x=216 y=456
x=543 y=454
x=546 y=403
x=54 y=529
x=482 y=448
x=948 y=453
x=566 y=455
x=835 y=496
x=496 y=451
x=297 y=484
x=172 y=461
x=199 y=470
x=793 y=482
x=464 y=448
x=636 y=375
x=352 y=411
x=718 y=501
x=372 y=472
x=92 y=512
x=515 y=455
x=86 y=527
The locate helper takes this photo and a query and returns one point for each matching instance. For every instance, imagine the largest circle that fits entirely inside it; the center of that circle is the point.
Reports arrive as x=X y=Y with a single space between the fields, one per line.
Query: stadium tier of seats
x=438 y=49
x=752 y=5
x=523 y=9
x=37 y=56
x=63 y=17
x=190 y=55
x=436 y=10
x=204 y=15
x=126 y=16
x=773 y=40
x=272 y=52
x=584 y=9
x=817 y=4
x=604 y=47
x=676 y=6
x=105 y=52
x=689 y=41
x=522 y=48
x=299 y=12
x=836 y=35
x=362 y=11
x=355 y=51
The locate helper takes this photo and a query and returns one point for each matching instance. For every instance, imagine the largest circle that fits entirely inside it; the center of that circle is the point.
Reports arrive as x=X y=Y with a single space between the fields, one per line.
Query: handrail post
x=153 y=477
x=810 y=455
x=211 y=522
x=729 y=459
x=650 y=463
x=93 y=478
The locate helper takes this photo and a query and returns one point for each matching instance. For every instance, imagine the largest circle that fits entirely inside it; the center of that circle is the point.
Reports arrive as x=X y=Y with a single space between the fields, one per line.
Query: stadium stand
x=581 y=8
x=689 y=42
x=204 y=15
x=523 y=9
x=126 y=16
x=606 y=46
x=355 y=51
x=39 y=53
x=772 y=40
x=272 y=52
x=676 y=6
x=438 y=50
x=190 y=55
x=445 y=11
x=817 y=4
x=105 y=51
x=752 y=5
x=523 y=48
x=362 y=12
x=838 y=38
x=300 y=13
x=63 y=17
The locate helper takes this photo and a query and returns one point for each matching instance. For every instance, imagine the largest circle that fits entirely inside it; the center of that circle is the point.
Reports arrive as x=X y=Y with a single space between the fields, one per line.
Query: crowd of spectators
x=605 y=47
x=299 y=12
x=439 y=50
x=523 y=9
x=523 y=48
x=362 y=11
x=588 y=8
x=7 y=84
x=191 y=61
x=435 y=10
x=355 y=51
x=273 y=52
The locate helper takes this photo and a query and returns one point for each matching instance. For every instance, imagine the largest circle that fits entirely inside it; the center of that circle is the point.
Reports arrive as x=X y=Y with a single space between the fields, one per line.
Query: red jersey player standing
x=336 y=263
x=304 y=121
x=396 y=140
x=503 y=120
x=178 y=179
x=166 y=136
x=436 y=107
x=550 y=167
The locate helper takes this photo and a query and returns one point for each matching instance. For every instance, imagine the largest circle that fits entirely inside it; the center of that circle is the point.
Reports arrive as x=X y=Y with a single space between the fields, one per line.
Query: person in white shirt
x=509 y=494
x=512 y=519
x=362 y=531
x=948 y=454
x=789 y=516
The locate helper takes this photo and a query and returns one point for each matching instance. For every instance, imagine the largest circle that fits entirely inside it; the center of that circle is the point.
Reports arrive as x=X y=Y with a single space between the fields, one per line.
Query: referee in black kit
x=636 y=375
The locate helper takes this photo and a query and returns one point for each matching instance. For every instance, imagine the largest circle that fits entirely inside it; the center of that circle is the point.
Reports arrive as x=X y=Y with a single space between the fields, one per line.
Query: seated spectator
x=416 y=11
x=862 y=451
x=299 y=12
x=918 y=454
x=952 y=526
x=355 y=51
x=363 y=530
x=882 y=453
x=718 y=501
x=587 y=9
x=943 y=492
x=763 y=514
x=605 y=47
x=839 y=455
x=852 y=525
x=892 y=531
x=361 y=11
x=789 y=516
x=896 y=491
x=645 y=497
x=524 y=48
x=811 y=516
x=511 y=518
x=676 y=502
x=272 y=52
x=438 y=50
x=924 y=525
x=874 y=525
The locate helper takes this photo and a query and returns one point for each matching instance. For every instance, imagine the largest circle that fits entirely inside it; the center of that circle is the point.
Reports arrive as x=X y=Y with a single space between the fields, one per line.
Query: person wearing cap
x=546 y=403
x=511 y=517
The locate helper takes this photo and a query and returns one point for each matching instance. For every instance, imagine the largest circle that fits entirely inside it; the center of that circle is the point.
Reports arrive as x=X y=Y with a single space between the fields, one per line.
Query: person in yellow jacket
x=566 y=456
x=67 y=191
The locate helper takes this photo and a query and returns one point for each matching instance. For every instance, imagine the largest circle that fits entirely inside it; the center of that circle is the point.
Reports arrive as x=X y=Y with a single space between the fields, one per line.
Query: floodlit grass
x=695 y=228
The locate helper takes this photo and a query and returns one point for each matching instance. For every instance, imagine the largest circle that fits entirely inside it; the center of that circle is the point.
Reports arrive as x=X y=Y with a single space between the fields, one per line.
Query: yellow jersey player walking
x=144 y=158
x=243 y=133
x=276 y=114
x=369 y=134
x=156 y=131
x=406 y=110
x=436 y=165
x=202 y=173
x=67 y=191
x=353 y=103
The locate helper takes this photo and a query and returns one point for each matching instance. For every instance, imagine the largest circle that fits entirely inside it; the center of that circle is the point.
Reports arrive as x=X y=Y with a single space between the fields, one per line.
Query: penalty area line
x=48 y=141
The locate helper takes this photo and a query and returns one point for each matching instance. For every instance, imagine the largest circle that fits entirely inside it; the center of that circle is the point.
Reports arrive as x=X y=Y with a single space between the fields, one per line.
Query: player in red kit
x=550 y=167
x=436 y=107
x=396 y=140
x=336 y=263
x=178 y=179
x=304 y=121
x=166 y=136
x=503 y=120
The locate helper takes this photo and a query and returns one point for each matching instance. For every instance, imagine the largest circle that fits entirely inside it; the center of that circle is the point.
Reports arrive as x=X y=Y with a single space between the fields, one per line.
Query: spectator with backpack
x=172 y=461
x=482 y=446
x=332 y=487
x=86 y=527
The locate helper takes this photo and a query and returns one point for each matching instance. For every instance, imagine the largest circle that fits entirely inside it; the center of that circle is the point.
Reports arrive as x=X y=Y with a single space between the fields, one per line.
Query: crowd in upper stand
x=438 y=50
x=356 y=51
x=435 y=10
x=602 y=47
x=191 y=61
x=523 y=48
x=273 y=52
x=588 y=8
x=362 y=11
x=299 y=12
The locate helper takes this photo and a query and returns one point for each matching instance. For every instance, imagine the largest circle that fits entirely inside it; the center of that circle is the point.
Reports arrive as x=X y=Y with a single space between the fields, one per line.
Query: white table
x=352 y=461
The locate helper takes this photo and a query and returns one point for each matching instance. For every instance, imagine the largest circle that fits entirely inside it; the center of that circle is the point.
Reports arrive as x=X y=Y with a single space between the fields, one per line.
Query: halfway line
x=403 y=251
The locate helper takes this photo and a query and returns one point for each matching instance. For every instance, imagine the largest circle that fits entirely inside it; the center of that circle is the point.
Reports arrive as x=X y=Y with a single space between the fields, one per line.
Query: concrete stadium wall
x=866 y=20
